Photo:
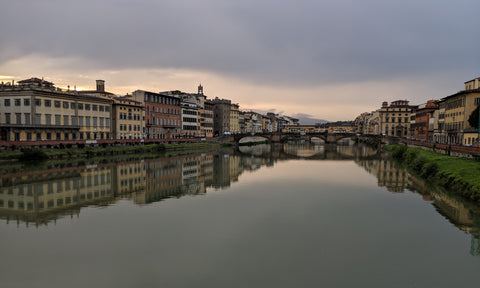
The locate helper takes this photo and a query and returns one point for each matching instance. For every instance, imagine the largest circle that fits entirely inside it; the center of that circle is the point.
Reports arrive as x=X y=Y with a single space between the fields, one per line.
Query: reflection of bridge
x=279 y=137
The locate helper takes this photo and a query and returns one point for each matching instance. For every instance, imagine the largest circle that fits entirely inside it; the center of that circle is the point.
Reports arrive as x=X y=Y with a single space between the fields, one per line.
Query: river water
x=294 y=215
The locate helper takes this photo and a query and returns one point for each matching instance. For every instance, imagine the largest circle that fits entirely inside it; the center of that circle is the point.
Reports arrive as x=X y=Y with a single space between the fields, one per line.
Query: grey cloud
x=274 y=42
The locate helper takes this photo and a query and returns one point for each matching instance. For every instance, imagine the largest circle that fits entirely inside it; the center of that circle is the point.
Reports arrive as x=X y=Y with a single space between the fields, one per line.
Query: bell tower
x=200 y=89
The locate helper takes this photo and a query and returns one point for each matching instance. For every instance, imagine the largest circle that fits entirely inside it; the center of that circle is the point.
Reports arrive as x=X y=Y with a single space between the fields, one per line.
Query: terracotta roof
x=35 y=80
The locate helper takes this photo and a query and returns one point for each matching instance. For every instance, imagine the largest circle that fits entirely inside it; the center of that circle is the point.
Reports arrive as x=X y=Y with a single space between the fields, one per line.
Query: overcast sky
x=329 y=59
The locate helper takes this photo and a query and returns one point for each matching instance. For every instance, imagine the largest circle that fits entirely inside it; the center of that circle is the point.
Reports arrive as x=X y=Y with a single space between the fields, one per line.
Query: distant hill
x=305 y=119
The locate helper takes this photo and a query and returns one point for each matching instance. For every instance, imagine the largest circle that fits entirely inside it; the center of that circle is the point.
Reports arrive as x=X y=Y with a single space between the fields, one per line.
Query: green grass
x=459 y=174
x=10 y=155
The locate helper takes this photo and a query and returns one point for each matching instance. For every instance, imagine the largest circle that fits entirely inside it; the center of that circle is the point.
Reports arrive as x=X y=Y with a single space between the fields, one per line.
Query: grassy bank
x=454 y=173
x=42 y=154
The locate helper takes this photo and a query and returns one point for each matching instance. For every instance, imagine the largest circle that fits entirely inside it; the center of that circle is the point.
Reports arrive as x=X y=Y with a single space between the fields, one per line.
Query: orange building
x=422 y=124
x=162 y=114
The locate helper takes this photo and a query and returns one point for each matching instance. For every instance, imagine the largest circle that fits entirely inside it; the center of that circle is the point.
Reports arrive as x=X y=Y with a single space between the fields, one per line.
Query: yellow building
x=395 y=118
x=234 y=122
x=455 y=111
x=303 y=129
x=128 y=117
x=35 y=110
x=266 y=125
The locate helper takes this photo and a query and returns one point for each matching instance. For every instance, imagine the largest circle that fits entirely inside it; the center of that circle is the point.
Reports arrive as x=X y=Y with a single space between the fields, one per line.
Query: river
x=292 y=215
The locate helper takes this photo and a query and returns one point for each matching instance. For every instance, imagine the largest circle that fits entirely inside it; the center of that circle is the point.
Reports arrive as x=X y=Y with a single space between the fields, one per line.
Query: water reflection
x=463 y=214
x=41 y=196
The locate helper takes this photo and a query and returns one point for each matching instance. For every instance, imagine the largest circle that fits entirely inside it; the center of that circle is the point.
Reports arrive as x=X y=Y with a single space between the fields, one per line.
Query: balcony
x=41 y=126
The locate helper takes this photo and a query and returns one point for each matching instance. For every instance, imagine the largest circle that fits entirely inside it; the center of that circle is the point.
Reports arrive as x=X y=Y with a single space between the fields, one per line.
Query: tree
x=473 y=119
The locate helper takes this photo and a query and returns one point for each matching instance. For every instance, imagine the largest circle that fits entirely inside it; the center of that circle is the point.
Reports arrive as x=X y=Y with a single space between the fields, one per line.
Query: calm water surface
x=289 y=216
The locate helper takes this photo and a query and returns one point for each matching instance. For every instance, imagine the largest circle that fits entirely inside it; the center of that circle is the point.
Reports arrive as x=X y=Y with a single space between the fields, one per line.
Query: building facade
x=221 y=116
x=35 y=110
x=128 y=117
x=206 y=119
x=234 y=119
x=190 y=122
x=456 y=110
x=423 y=128
x=395 y=118
x=162 y=114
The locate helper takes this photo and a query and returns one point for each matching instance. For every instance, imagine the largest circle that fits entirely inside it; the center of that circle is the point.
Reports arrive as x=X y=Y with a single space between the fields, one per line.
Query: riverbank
x=44 y=154
x=455 y=173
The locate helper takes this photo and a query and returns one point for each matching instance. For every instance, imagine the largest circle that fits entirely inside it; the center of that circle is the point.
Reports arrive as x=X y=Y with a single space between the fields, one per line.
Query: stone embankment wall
x=453 y=150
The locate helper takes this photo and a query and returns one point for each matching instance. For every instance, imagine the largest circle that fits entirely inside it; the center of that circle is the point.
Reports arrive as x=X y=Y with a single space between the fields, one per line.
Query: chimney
x=100 y=85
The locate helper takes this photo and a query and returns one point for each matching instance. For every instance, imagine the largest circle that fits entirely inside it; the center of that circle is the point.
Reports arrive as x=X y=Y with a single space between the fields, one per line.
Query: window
x=87 y=107
x=56 y=104
x=107 y=122
x=101 y=108
x=87 y=121
x=57 y=120
x=107 y=109
x=38 y=102
x=80 y=106
x=74 y=120
x=38 y=119
x=48 y=119
x=80 y=120
x=18 y=102
x=65 y=120
x=65 y=104
x=101 y=122
x=73 y=105
x=26 y=102
x=95 y=121
x=18 y=117
x=95 y=107
x=6 y=102
x=27 y=118
x=48 y=103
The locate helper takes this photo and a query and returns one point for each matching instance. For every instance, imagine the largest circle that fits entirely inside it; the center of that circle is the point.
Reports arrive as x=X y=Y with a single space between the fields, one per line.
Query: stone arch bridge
x=279 y=137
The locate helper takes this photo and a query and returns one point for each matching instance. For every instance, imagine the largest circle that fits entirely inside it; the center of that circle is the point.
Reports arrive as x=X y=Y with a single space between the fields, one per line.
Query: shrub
x=29 y=154
x=429 y=170
x=160 y=147
x=410 y=155
x=398 y=151
x=417 y=164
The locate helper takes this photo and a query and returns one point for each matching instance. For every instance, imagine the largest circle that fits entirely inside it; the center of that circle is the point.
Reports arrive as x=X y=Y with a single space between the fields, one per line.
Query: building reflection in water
x=42 y=196
x=460 y=212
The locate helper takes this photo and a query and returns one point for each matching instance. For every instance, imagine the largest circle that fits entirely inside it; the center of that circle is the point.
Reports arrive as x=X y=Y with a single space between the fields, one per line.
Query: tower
x=200 y=89
x=101 y=85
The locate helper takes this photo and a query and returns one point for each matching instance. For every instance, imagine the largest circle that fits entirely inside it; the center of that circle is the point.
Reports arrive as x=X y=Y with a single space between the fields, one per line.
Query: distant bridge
x=279 y=137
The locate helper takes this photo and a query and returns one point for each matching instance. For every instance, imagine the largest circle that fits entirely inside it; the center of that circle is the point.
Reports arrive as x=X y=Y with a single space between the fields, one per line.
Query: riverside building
x=162 y=114
x=455 y=111
x=395 y=118
x=128 y=118
x=35 y=110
